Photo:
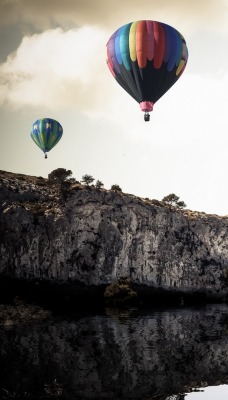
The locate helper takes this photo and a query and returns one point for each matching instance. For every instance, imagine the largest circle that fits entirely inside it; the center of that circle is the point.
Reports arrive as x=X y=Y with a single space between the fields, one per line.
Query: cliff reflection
x=158 y=355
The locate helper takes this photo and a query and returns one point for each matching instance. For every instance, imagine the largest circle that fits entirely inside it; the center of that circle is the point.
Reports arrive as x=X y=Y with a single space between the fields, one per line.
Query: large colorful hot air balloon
x=146 y=58
x=46 y=133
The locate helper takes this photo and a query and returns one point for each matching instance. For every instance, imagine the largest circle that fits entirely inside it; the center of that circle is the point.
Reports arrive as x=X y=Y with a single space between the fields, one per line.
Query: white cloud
x=67 y=70
x=55 y=69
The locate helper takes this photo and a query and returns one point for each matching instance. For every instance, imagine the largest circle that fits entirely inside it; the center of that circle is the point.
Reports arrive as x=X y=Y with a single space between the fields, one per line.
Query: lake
x=153 y=354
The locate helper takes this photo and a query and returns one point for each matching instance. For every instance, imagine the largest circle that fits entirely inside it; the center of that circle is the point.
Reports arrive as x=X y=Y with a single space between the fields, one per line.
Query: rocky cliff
x=74 y=233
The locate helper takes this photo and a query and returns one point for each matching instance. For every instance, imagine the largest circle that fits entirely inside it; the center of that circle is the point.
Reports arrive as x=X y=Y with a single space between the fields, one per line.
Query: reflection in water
x=127 y=355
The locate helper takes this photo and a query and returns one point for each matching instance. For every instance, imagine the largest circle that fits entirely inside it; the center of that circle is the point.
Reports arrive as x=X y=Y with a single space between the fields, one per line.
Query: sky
x=53 y=64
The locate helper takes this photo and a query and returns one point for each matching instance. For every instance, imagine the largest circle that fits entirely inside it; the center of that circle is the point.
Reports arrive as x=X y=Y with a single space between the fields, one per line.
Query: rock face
x=78 y=233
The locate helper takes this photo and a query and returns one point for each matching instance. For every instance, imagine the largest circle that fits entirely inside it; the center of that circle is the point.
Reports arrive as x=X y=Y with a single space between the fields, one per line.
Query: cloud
x=60 y=69
x=55 y=69
x=43 y=14
x=46 y=59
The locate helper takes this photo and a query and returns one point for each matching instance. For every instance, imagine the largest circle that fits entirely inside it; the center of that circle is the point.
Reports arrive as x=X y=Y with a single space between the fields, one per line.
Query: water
x=172 y=354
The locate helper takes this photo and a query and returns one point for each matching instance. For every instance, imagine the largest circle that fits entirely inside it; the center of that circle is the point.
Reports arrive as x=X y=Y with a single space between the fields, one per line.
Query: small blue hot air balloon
x=46 y=133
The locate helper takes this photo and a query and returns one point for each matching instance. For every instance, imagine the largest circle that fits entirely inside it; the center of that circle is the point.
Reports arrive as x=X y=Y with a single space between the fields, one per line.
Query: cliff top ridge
x=22 y=188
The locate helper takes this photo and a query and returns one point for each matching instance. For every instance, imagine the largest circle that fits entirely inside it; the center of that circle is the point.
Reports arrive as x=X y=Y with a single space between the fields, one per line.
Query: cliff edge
x=72 y=233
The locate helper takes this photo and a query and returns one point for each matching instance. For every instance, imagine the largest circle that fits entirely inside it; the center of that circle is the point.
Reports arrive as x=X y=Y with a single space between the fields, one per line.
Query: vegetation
x=63 y=177
x=60 y=175
x=98 y=184
x=87 y=179
x=116 y=188
x=120 y=293
x=173 y=200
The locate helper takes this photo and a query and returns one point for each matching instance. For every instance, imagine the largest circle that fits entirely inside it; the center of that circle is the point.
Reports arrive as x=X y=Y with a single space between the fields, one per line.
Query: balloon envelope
x=46 y=133
x=146 y=58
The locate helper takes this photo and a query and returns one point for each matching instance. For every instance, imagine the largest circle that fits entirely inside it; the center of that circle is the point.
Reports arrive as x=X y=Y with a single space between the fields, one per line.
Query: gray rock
x=98 y=236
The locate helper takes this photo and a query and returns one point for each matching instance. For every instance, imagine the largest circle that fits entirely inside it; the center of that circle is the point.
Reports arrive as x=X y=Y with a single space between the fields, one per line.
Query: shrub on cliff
x=120 y=293
x=173 y=200
x=116 y=188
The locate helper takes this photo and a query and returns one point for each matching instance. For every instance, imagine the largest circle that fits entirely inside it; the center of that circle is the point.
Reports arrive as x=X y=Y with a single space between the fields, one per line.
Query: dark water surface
x=133 y=354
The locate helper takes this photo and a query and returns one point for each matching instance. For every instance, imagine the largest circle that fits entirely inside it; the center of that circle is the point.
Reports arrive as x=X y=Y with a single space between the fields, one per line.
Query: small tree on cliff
x=98 y=184
x=60 y=175
x=173 y=200
x=87 y=179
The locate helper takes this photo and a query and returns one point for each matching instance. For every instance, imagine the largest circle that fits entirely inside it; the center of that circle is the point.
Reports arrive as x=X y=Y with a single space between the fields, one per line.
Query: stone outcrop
x=75 y=233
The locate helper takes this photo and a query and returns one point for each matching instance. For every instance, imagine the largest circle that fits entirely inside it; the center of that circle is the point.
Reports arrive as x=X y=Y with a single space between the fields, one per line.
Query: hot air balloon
x=46 y=133
x=146 y=58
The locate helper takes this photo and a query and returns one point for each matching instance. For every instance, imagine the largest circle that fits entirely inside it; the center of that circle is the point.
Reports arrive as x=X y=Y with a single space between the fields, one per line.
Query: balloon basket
x=146 y=117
